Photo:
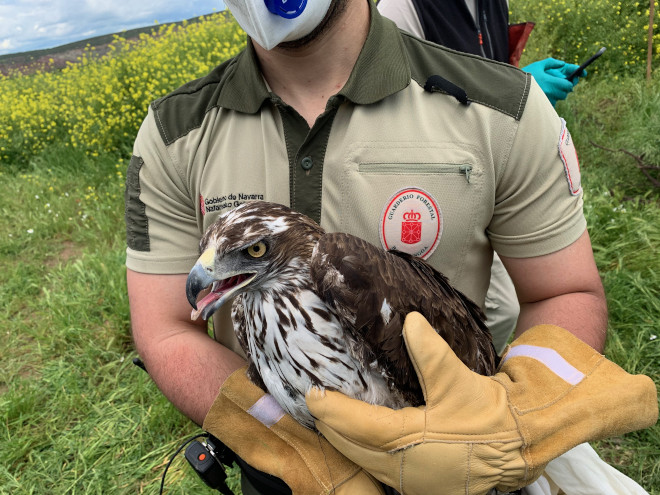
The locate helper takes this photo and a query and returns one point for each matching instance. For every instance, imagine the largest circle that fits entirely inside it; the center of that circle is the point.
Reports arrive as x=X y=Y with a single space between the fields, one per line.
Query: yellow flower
x=98 y=103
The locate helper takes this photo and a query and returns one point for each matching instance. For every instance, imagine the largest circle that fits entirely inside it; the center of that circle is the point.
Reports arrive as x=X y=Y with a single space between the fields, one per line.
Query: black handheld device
x=208 y=460
x=585 y=64
x=202 y=460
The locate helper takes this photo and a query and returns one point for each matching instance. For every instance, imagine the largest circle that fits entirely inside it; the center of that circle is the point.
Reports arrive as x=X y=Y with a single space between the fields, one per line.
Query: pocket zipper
x=415 y=169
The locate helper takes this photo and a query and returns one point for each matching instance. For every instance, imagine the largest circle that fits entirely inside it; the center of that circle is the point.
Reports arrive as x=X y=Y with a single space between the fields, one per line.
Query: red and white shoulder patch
x=411 y=222
x=569 y=157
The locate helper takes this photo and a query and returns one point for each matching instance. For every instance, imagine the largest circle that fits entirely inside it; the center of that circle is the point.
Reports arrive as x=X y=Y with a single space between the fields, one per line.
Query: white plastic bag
x=580 y=471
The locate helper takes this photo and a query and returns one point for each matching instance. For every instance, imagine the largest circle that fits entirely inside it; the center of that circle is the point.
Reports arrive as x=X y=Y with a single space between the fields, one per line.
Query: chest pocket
x=388 y=187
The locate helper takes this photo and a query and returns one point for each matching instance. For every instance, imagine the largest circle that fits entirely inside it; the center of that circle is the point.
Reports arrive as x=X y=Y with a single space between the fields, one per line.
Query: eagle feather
x=317 y=309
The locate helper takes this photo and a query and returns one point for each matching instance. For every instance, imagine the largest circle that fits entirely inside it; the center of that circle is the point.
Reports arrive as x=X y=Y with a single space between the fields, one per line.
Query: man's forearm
x=187 y=365
x=189 y=369
x=564 y=289
x=584 y=314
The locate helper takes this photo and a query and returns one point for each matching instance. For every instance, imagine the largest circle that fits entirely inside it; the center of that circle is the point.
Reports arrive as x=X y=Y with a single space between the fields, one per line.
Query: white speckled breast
x=297 y=343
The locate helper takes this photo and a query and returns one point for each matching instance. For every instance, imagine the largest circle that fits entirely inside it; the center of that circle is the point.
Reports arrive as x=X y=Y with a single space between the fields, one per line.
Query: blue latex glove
x=551 y=75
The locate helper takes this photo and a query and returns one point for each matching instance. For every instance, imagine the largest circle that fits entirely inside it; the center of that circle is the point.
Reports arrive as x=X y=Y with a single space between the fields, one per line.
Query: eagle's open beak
x=223 y=286
x=198 y=280
x=201 y=276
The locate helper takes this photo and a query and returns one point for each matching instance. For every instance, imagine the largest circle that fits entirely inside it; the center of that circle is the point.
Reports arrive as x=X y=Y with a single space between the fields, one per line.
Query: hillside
x=28 y=62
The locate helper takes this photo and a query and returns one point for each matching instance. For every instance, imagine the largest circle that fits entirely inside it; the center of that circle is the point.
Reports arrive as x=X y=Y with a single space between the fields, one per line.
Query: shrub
x=98 y=104
x=573 y=30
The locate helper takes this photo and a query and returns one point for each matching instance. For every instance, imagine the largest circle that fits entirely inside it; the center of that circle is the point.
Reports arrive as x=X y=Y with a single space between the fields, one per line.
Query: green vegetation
x=77 y=417
x=623 y=215
x=573 y=30
x=98 y=104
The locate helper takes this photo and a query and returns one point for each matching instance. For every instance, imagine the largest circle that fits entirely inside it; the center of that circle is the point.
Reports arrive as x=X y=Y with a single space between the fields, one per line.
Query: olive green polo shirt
x=394 y=159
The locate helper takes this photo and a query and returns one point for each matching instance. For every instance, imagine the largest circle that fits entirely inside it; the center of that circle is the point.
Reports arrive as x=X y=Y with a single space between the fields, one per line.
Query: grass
x=623 y=215
x=77 y=417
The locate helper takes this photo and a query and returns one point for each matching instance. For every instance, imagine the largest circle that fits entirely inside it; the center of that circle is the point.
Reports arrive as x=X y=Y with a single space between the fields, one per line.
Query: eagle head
x=249 y=248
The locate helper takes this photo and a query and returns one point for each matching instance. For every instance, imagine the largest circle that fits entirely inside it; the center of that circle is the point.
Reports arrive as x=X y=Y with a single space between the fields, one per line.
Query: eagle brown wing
x=372 y=291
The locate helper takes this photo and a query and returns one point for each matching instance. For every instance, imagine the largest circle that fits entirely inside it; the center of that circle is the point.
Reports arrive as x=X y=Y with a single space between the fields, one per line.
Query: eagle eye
x=257 y=250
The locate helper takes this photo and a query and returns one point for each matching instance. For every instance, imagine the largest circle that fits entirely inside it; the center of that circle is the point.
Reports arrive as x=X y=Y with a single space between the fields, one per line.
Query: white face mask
x=270 y=22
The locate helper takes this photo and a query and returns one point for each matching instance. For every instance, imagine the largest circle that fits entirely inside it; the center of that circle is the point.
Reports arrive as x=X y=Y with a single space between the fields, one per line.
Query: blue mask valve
x=289 y=9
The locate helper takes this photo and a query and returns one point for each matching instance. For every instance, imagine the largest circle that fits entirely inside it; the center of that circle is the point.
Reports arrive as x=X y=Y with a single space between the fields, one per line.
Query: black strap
x=435 y=84
x=263 y=482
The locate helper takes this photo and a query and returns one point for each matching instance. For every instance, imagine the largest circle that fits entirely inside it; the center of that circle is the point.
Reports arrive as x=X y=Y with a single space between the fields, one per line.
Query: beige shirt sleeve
x=536 y=212
x=162 y=199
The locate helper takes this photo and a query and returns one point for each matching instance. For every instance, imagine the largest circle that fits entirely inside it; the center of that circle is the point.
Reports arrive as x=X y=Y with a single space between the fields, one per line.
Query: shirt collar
x=381 y=70
x=245 y=89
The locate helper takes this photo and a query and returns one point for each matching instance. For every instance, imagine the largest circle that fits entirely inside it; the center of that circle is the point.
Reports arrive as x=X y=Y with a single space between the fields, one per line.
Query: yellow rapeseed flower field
x=98 y=103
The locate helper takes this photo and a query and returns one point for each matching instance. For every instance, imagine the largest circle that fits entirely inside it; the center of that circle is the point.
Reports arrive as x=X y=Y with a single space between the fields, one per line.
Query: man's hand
x=551 y=74
x=552 y=393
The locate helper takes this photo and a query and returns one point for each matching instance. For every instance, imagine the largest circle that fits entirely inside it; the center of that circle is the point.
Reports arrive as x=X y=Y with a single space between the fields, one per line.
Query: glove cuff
x=563 y=393
x=254 y=426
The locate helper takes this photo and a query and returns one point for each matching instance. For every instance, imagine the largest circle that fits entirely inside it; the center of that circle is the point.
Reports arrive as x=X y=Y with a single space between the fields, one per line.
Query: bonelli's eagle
x=314 y=309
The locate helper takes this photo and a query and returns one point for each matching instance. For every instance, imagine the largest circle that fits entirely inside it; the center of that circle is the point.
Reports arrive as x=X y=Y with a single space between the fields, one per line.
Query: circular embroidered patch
x=411 y=222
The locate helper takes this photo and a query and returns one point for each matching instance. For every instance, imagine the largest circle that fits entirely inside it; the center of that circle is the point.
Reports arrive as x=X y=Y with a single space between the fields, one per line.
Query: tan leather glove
x=552 y=393
x=252 y=424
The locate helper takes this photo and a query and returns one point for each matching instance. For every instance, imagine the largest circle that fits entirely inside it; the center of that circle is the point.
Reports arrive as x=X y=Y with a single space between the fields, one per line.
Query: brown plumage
x=326 y=309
